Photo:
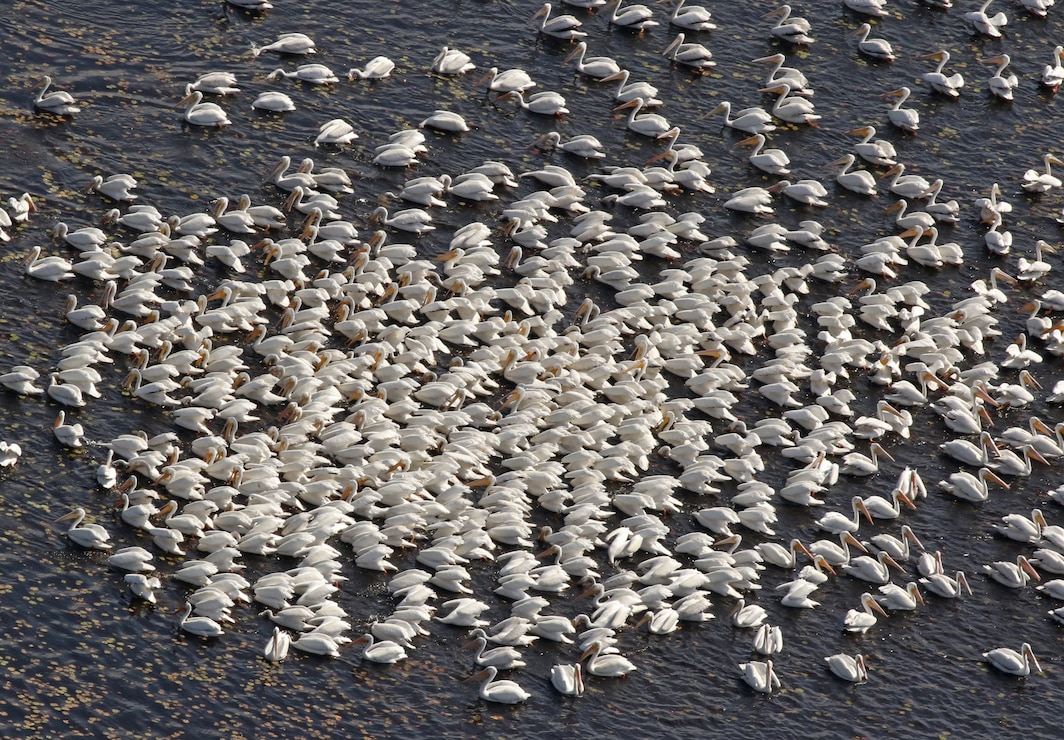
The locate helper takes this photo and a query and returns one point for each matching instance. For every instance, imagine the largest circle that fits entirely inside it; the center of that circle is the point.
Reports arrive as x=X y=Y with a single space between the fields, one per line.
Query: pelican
x=199 y=113
x=542 y=103
x=791 y=29
x=792 y=76
x=937 y=79
x=413 y=220
x=609 y=664
x=873 y=570
x=752 y=120
x=600 y=68
x=858 y=464
x=861 y=182
x=648 y=124
x=315 y=74
x=692 y=17
x=49 y=269
x=376 y=68
x=695 y=56
x=848 y=668
x=58 y=102
x=1012 y=575
x=756 y=200
x=907 y=119
x=879 y=152
x=948 y=588
x=382 y=651
x=633 y=18
x=502 y=692
x=504 y=658
x=874 y=8
x=859 y=621
x=1018 y=663
x=200 y=626
x=627 y=92
x=288 y=43
x=791 y=110
x=1000 y=85
x=509 y=80
x=216 y=83
x=968 y=487
x=452 y=62
x=760 y=676
x=772 y=161
x=566 y=27
x=747 y=616
x=583 y=145
x=277 y=647
x=90 y=536
x=897 y=598
x=768 y=640
x=982 y=22
x=1042 y=182
x=898 y=547
x=836 y=522
x=567 y=679
x=116 y=187
x=1053 y=74
x=879 y=49
x=1029 y=271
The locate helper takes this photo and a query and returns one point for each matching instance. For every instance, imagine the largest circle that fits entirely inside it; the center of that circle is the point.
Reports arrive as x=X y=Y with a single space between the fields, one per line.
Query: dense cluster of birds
x=339 y=399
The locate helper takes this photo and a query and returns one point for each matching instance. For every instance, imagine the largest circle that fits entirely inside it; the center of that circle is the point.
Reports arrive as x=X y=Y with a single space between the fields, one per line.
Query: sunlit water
x=80 y=658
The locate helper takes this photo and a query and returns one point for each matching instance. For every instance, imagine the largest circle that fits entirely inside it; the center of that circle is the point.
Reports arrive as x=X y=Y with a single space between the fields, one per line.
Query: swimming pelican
x=199 y=113
x=90 y=536
x=1030 y=271
x=50 y=269
x=862 y=182
x=873 y=570
x=947 y=85
x=858 y=464
x=1041 y=182
x=276 y=648
x=452 y=62
x=879 y=152
x=772 y=161
x=376 y=68
x=879 y=49
x=598 y=67
x=1053 y=74
x=791 y=110
x=1012 y=575
x=567 y=679
x=58 y=102
x=754 y=120
x=837 y=523
x=509 y=80
x=768 y=640
x=502 y=692
x=116 y=187
x=896 y=598
x=583 y=145
x=1000 y=85
x=760 y=676
x=695 y=56
x=288 y=43
x=861 y=620
x=692 y=17
x=648 y=124
x=633 y=18
x=792 y=76
x=848 y=668
x=315 y=74
x=907 y=119
x=542 y=103
x=948 y=588
x=968 y=487
x=612 y=665
x=627 y=92
x=566 y=27
x=1018 y=663
x=982 y=22
x=792 y=29
x=413 y=220
x=504 y=657
x=874 y=8
x=382 y=651
x=200 y=626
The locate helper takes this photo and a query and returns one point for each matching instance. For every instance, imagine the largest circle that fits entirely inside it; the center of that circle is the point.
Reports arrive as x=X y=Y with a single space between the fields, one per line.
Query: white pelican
x=1000 y=85
x=633 y=18
x=873 y=570
x=566 y=27
x=879 y=49
x=792 y=76
x=600 y=68
x=752 y=120
x=1053 y=74
x=504 y=657
x=772 y=161
x=452 y=62
x=879 y=152
x=792 y=29
x=545 y=103
x=898 y=547
x=91 y=536
x=791 y=110
x=969 y=487
x=567 y=679
x=277 y=646
x=896 y=598
x=947 y=85
x=413 y=220
x=502 y=692
x=1018 y=663
x=288 y=43
x=858 y=464
x=116 y=187
x=874 y=8
x=692 y=17
x=756 y=200
x=861 y=620
x=1012 y=575
x=695 y=56
x=907 y=119
x=58 y=102
x=215 y=83
x=747 y=616
x=768 y=640
x=376 y=68
x=1042 y=182
x=847 y=667
x=142 y=586
x=861 y=182
x=507 y=81
x=627 y=92
x=943 y=585
x=382 y=651
x=1029 y=271
x=50 y=269
x=583 y=145
x=648 y=124
x=199 y=113
x=315 y=74
x=201 y=626
x=612 y=665
x=760 y=676
x=984 y=23
x=68 y=435
x=837 y=523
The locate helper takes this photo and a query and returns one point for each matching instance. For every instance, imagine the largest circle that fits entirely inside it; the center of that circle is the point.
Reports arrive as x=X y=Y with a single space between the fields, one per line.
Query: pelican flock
x=589 y=365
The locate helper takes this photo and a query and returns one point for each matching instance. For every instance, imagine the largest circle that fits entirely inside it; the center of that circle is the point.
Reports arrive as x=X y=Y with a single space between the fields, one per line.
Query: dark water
x=80 y=659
